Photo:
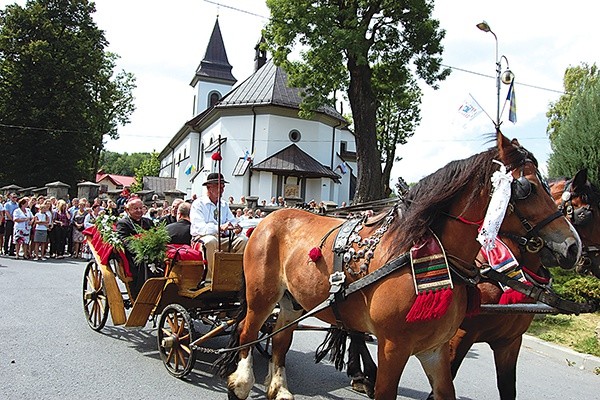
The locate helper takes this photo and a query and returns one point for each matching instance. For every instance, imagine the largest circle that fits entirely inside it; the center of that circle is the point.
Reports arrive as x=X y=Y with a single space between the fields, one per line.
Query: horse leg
x=436 y=364
x=357 y=350
x=276 y=381
x=240 y=382
x=392 y=358
x=505 y=357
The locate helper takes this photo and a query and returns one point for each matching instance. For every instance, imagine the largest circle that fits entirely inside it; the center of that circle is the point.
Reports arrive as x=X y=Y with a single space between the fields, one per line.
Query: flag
x=189 y=169
x=469 y=110
x=512 y=112
x=248 y=156
x=343 y=168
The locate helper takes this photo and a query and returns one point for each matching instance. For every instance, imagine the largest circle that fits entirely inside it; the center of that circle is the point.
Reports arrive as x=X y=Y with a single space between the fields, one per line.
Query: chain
x=206 y=350
x=366 y=247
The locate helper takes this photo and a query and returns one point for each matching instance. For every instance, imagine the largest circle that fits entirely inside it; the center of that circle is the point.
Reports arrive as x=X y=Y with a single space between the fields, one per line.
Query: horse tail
x=227 y=363
x=335 y=342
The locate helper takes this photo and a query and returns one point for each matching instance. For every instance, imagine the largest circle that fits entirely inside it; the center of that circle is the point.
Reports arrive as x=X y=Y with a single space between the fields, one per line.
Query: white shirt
x=203 y=215
x=42 y=217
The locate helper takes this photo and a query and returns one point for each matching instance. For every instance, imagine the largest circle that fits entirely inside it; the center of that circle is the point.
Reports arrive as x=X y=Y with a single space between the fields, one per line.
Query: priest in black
x=180 y=230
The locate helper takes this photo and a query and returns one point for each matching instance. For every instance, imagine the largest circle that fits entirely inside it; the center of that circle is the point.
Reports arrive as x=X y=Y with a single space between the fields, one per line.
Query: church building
x=266 y=149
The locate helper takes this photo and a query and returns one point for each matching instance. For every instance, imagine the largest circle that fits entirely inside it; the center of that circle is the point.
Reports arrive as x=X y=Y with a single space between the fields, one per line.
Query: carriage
x=177 y=299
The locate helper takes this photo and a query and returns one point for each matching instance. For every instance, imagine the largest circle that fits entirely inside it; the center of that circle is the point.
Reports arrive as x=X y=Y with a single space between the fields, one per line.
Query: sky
x=162 y=43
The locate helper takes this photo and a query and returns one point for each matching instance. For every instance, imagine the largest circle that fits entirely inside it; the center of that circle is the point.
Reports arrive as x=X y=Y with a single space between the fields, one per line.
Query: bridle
x=521 y=189
x=580 y=216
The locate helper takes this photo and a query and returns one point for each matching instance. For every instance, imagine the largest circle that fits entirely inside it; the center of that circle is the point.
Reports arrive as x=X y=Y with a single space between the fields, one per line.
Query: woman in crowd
x=78 y=220
x=23 y=219
x=90 y=218
x=61 y=223
x=42 y=221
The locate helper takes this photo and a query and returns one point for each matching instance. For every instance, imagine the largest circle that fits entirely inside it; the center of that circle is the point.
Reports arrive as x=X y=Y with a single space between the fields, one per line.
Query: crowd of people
x=39 y=228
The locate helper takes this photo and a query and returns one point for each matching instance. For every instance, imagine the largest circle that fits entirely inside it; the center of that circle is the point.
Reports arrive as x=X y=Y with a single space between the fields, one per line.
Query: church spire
x=214 y=67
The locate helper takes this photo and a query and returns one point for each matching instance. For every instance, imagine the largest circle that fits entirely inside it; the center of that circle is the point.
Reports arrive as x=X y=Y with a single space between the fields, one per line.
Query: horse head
x=579 y=200
x=532 y=219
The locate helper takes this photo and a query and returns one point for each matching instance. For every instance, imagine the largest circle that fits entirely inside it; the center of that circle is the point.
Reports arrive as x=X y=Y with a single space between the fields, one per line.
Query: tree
x=398 y=115
x=341 y=43
x=150 y=166
x=121 y=163
x=575 y=78
x=58 y=96
x=576 y=144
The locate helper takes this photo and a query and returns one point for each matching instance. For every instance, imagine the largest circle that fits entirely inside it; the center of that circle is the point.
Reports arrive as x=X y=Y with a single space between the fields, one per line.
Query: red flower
x=217 y=156
x=315 y=254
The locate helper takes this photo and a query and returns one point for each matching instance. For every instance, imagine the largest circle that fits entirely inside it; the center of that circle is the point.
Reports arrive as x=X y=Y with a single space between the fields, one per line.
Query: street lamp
x=505 y=77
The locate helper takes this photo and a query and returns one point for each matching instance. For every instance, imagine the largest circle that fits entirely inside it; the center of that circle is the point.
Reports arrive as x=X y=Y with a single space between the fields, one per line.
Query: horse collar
x=348 y=235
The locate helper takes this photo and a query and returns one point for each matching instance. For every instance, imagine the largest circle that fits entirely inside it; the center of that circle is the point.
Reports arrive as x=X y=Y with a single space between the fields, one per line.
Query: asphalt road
x=47 y=351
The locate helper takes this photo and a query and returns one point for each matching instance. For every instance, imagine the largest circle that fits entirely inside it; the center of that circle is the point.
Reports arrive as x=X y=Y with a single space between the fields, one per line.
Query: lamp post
x=506 y=77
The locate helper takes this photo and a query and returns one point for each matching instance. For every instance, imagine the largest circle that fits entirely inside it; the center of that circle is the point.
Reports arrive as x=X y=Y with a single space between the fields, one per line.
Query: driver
x=128 y=226
x=205 y=227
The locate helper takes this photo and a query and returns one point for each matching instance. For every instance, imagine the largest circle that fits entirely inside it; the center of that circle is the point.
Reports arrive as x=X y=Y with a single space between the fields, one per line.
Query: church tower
x=213 y=78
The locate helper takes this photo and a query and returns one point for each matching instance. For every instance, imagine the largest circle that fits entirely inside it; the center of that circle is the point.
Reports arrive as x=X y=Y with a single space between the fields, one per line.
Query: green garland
x=150 y=245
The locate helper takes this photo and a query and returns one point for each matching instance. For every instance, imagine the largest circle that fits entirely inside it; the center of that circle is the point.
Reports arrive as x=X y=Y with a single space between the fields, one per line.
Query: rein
x=541 y=294
x=336 y=291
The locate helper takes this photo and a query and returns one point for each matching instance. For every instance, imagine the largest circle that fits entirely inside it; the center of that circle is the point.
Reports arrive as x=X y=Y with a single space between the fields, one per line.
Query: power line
x=493 y=77
x=236 y=9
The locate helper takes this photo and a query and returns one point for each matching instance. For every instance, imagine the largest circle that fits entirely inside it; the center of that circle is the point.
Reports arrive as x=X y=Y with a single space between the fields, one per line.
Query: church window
x=213 y=98
x=295 y=135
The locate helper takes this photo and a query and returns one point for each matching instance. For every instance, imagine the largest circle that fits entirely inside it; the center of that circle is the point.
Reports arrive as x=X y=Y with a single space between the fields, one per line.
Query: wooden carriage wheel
x=175 y=333
x=95 y=301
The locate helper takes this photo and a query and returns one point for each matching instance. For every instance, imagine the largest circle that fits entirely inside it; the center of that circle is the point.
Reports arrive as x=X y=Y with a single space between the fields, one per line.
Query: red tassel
x=473 y=301
x=216 y=156
x=511 y=296
x=315 y=254
x=249 y=232
x=430 y=305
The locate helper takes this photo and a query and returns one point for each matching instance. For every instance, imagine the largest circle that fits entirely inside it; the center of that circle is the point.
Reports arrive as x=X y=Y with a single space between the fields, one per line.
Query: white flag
x=468 y=109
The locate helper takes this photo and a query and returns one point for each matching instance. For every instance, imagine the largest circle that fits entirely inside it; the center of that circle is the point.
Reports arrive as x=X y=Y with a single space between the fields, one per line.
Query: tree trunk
x=364 y=112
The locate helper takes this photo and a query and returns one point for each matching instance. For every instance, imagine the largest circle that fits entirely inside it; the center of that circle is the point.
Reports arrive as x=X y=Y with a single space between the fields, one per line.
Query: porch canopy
x=292 y=161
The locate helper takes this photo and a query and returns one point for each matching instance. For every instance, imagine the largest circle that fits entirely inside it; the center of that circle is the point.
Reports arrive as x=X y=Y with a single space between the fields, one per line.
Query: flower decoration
x=315 y=254
x=217 y=156
x=106 y=227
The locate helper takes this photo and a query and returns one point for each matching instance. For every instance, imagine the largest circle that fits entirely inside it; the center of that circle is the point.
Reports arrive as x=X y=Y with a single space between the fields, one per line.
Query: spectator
x=273 y=201
x=280 y=201
x=172 y=217
x=42 y=221
x=180 y=230
x=90 y=217
x=77 y=228
x=23 y=219
x=9 y=208
x=61 y=222
x=2 y=222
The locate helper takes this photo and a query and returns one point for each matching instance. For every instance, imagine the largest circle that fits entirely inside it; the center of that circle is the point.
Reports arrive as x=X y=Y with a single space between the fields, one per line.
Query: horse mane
x=433 y=195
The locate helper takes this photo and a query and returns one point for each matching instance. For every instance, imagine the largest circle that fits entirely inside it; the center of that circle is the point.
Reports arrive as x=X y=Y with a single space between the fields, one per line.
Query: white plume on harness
x=501 y=191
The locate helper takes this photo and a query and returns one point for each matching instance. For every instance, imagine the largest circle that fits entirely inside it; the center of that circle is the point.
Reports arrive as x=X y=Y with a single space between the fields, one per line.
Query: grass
x=580 y=333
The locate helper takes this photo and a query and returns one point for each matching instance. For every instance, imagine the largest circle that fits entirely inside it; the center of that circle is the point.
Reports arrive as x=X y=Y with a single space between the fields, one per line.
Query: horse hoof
x=362 y=385
x=231 y=395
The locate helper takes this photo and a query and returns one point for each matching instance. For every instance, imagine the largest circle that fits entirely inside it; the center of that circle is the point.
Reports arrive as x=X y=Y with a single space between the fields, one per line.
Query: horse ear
x=580 y=179
x=504 y=144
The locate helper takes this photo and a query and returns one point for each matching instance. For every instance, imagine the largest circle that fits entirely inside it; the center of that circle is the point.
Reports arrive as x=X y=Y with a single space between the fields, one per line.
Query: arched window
x=213 y=98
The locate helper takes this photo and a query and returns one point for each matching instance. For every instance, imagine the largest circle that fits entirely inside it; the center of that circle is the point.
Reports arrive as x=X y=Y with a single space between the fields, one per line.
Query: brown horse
x=276 y=262
x=504 y=333
x=579 y=200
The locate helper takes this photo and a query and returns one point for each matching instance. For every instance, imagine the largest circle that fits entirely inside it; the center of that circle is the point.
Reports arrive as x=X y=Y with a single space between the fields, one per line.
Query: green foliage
x=581 y=289
x=150 y=245
x=150 y=166
x=341 y=42
x=575 y=78
x=59 y=95
x=575 y=125
x=121 y=163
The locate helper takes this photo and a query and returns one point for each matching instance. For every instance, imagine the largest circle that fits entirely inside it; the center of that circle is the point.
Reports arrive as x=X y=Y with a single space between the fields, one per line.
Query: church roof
x=292 y=161
x=214 y=66
x=269 y=86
